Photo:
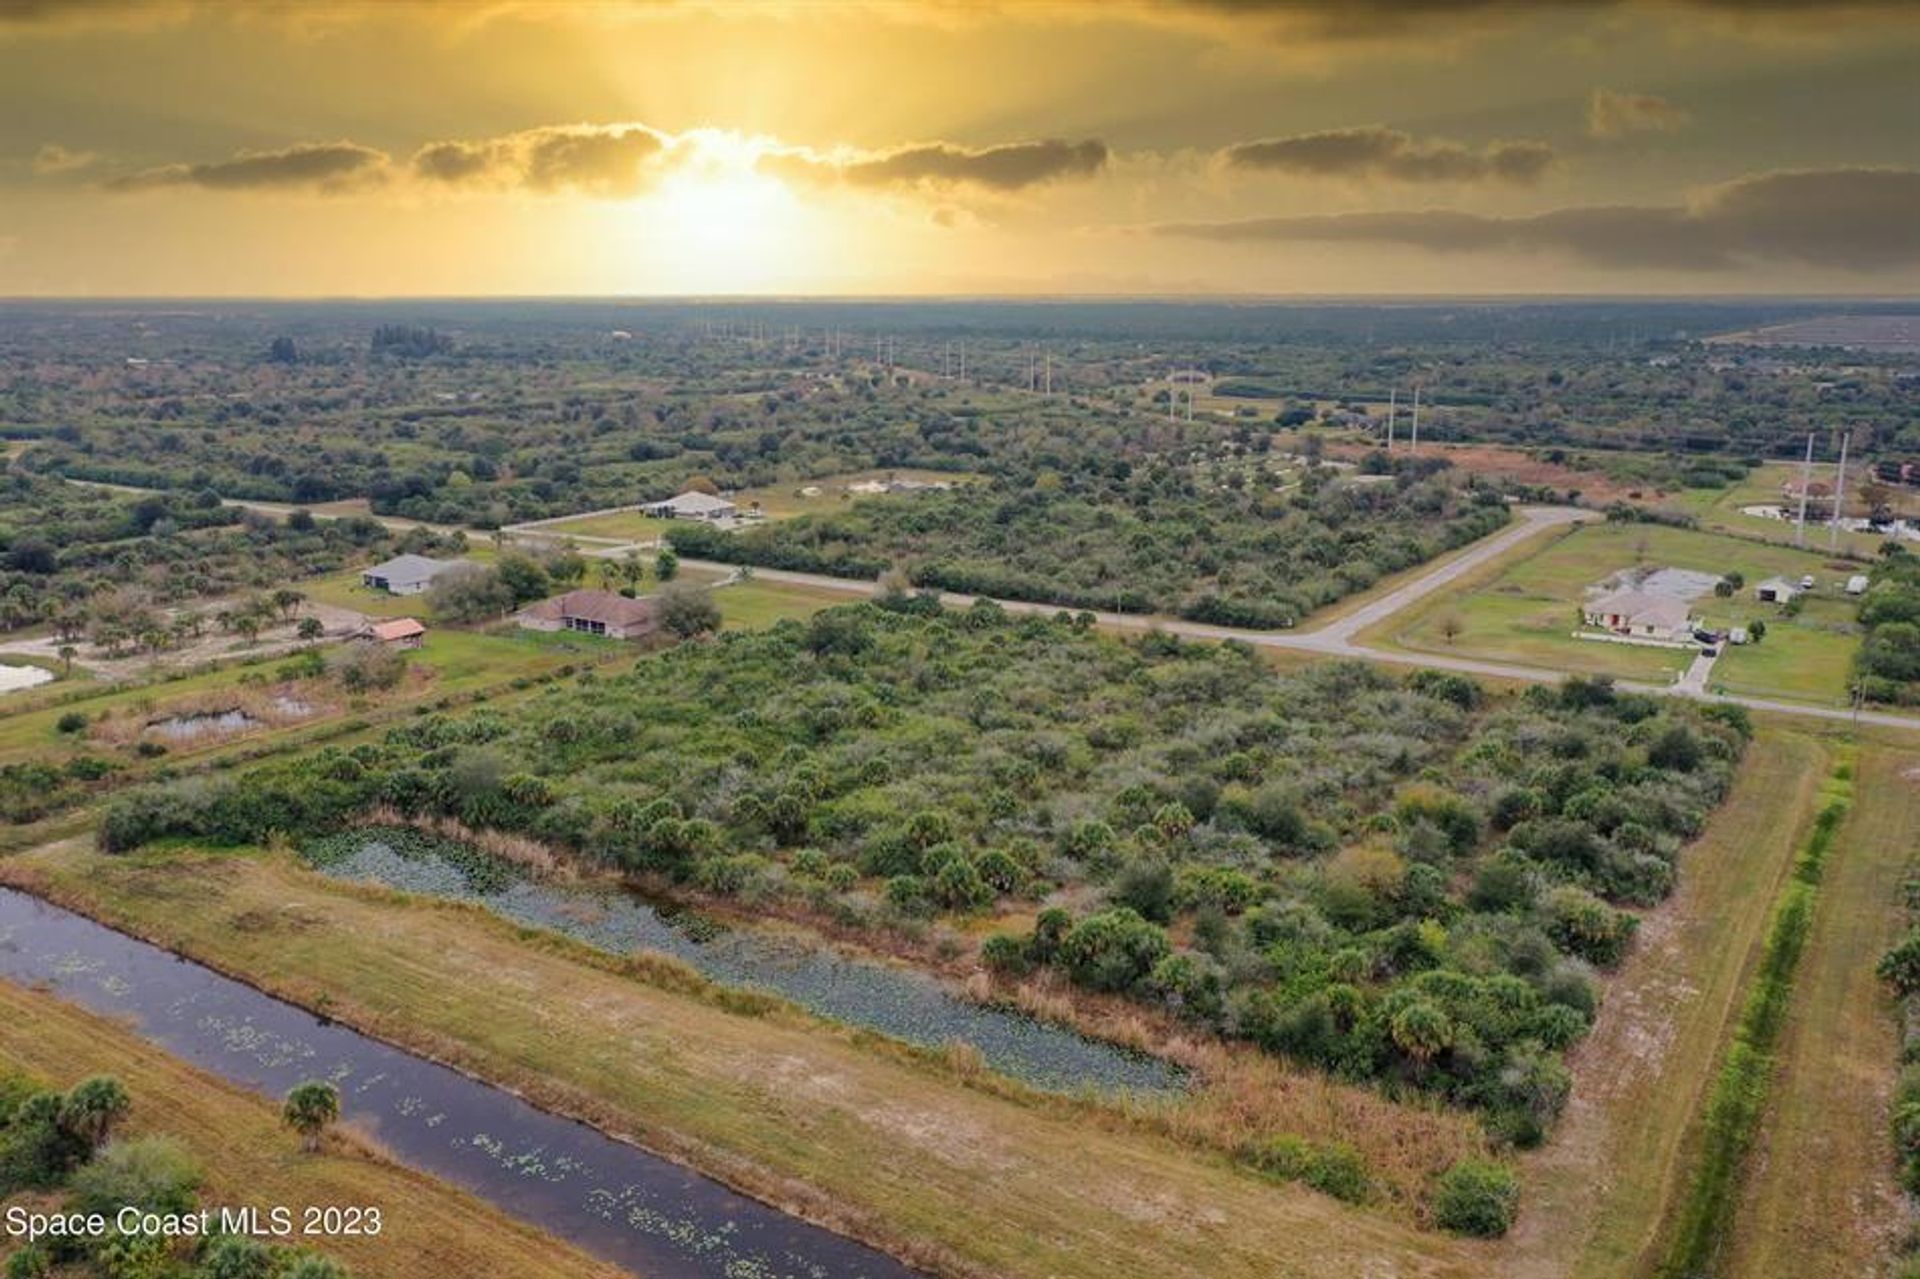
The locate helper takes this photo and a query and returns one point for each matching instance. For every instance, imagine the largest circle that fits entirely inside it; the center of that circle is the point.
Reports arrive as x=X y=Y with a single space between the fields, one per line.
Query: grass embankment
x=1595 y=1194
x=1836 y=1060
x=890 y=1146
x=1702 y=1219
x=428 y=1227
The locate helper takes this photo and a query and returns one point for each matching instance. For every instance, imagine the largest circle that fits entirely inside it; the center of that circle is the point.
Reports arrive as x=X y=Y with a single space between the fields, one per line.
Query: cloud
x=1375 y=152
x=1615 y=115
x=1861 y=219
x=1011 y=166
x=610 y=160
x=54 y=158
x=327 y=167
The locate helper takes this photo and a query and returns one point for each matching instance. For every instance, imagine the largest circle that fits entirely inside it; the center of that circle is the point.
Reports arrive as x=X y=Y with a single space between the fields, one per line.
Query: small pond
x=889 y=998
x=14 y=678
x=635 y=1209
x=191 y=728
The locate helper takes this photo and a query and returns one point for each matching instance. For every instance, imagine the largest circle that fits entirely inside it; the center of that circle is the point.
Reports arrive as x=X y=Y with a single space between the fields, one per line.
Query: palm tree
x=288 y=600
x=67 y=653
x=93 y=1107
x=310 y=1108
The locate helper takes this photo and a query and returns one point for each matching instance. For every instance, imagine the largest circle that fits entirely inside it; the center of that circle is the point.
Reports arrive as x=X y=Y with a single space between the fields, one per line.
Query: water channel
x=637 y=1210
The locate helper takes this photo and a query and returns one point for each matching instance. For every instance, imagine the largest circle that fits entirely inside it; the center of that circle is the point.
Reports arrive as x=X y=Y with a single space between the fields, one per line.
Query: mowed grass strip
x=429 y=1228
x=1822 y=1199
x=1595 y=1194
x=806 y=1115
x=1701 y=1218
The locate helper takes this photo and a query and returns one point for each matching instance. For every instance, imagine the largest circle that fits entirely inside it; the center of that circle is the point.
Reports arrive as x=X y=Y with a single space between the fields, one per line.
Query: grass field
x=1837 y=1060
x=759 y=602
x=1721 y=508
x=429 y=1227
x=1596 y=1192
x=1524 y=608
x=804 y=1114
x=784 y=501
x=453 y=661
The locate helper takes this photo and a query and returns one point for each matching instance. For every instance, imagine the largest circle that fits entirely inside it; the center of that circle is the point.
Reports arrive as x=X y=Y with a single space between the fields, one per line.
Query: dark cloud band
x=1852 y=219
x=1375 y=152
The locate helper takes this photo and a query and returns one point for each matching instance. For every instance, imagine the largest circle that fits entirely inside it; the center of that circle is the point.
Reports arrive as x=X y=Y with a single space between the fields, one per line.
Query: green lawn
x=456 y=660
x=1525 y=610
x=1720 y=508
x=753 y=604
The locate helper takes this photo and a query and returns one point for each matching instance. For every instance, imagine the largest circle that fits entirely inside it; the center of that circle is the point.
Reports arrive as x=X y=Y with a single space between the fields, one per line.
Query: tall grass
x=1739 y=1097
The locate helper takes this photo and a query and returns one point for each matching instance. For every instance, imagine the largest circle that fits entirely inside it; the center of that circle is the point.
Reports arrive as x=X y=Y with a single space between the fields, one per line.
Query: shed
x=1776 y=590
x=401 y=632
x=1857 y=584
x=406 y=574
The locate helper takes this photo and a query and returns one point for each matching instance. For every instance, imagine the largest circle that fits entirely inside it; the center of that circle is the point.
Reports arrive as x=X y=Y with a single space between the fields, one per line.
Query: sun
x=716 y=224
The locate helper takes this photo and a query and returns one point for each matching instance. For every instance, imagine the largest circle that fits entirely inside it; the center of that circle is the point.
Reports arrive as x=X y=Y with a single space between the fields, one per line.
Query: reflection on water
x=13 y=678
x=188 y=728
x=634 y=1209
x=896 y=1001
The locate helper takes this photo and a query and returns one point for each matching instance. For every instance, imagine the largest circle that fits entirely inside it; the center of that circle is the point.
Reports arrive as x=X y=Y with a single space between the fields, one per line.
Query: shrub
x=155 y=1174
x=1476 y=1197
x=1335 y=1169
x=1900 y=967
x=1113 y=950
x=71 y=722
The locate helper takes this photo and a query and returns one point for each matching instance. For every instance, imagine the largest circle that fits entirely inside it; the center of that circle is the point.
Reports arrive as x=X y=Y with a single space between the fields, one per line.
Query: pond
x=635 y=1209
x=889 y=998
x=14 y=678
x=190 y=728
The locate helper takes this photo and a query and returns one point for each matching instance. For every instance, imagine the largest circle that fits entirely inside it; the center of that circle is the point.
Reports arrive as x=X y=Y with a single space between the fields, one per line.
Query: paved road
x=1333 y=639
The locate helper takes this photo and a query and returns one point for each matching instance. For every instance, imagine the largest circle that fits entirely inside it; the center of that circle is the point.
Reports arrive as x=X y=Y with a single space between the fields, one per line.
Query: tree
x=288 y=601
x=283 y=351
x=666 y=565
x=687 y=611
x=67 y=653
x=311 y=1107
x=1422 y=1030
x=310 y=629
x=93 y=1107
x=1451 y=626
x=1757 y=630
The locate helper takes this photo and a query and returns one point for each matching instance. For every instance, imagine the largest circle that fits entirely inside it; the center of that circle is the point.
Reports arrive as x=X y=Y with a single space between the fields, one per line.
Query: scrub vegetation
x=1403 y=883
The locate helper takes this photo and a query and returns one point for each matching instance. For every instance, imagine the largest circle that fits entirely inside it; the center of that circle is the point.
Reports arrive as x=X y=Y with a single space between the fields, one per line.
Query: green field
x=449 y=662
x=758 y=602
x=1720 y=509
x=1524 y=608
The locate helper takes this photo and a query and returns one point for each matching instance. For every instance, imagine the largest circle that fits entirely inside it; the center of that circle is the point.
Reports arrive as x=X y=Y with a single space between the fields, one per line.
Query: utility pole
x=1839 y=494
x=1806 y=482
x=1416 y=419
x=1393 y=411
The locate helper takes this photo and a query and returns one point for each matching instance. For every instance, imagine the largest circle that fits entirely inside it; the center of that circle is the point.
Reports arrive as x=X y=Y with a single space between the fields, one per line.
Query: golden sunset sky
x=939 y=147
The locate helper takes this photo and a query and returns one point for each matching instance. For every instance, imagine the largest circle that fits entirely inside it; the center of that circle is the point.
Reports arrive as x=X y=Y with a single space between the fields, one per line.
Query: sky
x=941 y=147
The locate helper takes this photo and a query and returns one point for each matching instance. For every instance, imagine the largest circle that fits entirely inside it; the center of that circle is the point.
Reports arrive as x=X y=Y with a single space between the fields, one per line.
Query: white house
x=691 y=506
x=406 y=574
x=1643 y=614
